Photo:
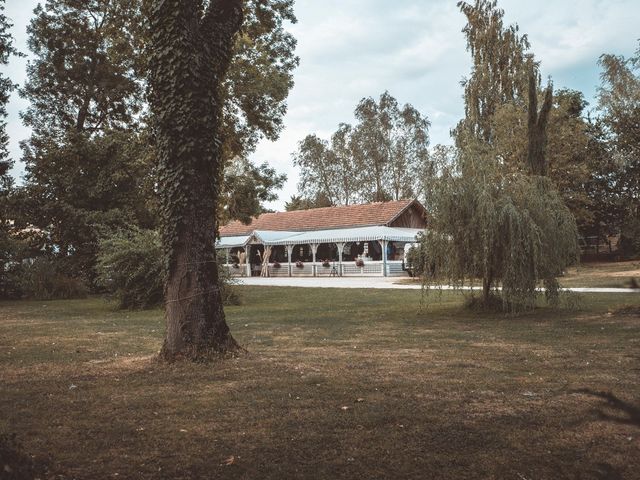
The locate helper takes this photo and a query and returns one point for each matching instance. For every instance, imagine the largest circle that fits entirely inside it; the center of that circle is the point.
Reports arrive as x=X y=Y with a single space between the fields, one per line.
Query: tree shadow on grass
x=623 y=412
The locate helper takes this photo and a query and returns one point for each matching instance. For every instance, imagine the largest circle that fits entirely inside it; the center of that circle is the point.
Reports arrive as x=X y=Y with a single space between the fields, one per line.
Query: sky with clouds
x=350 y=49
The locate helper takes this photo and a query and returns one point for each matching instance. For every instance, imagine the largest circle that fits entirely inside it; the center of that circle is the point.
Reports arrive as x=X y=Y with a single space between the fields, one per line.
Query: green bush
x=43 y=279
x=630 y=239
x=130 y=269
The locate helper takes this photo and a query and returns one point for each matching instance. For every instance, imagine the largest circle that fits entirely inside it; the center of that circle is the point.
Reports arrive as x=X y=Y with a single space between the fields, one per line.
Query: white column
x=314 y=250
x=340 y=250
x=289 y=250
x=384 y=256
x=226 y=251
x=247 y=250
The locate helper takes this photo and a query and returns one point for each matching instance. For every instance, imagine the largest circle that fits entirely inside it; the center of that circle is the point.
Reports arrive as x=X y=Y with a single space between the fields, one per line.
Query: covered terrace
x=364 y=251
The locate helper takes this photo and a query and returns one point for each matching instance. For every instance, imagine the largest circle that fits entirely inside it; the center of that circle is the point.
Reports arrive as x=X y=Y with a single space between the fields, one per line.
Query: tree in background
x=380 y=158
x=328 y=169
x=391 y=143
x=619 y=103
x=8 y=245
x=297 y=202
x=86 y=188
x=254 y=92
x=507 y=226
x=87 y=169
x=7 y=50
x=87 y=69
x=260 y=77
x=500 y=68
x=190 y=52
x=246 y=188
x=87 y=110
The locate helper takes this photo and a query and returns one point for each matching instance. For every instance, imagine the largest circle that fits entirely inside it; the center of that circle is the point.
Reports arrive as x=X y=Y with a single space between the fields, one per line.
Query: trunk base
x=228 y=348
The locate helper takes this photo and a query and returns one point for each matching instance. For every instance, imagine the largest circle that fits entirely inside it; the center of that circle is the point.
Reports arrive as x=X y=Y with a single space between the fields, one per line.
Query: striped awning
x=231 y=242
x=341 y=235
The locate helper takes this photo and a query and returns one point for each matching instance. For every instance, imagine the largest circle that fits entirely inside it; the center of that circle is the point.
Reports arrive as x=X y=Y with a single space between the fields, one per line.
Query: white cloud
x=350 y=49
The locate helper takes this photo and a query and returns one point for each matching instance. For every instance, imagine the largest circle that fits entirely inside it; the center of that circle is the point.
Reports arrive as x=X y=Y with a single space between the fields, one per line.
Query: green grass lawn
x=335 y=384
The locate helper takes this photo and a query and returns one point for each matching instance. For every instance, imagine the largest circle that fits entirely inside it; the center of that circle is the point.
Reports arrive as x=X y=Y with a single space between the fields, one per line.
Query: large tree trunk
x=537 y=127
x=190 y=54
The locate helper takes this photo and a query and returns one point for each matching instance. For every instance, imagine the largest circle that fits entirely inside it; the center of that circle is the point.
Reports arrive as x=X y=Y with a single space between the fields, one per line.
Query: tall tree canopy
x=190 y=51
x=619 y=103
x=260 y=77
x=7 y=215
x=88 y=111
x=86 y=72
x=501 y=63
x=381 y=158
x=495 y=214
x=7 y=50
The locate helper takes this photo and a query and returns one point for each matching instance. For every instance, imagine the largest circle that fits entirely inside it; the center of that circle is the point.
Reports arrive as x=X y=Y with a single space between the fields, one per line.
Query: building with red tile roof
x=367 y=239
x=398 y=213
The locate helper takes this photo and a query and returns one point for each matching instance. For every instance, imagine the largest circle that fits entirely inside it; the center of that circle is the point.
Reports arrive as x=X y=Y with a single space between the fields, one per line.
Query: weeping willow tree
x=509 y=228
x=511 y=231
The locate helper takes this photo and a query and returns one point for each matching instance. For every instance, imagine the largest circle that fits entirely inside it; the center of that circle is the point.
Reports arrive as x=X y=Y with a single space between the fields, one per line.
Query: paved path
x=378 y=282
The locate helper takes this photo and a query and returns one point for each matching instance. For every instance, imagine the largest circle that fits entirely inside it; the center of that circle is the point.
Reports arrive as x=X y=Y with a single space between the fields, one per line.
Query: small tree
x=512 y=231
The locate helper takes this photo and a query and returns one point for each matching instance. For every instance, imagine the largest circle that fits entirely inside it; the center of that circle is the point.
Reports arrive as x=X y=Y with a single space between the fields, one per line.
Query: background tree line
x=383 y=157
x=591 y=156
x=91 y=168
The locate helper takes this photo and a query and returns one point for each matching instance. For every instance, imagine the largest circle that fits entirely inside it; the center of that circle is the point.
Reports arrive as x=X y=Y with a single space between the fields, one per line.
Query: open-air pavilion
x=365 y=239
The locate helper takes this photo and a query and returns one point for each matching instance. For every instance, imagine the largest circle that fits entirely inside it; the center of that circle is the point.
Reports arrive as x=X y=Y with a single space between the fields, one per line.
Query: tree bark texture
x=537 y=127
x=190 y=51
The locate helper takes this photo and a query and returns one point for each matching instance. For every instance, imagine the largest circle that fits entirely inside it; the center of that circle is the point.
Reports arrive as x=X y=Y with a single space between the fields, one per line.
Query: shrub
x=130 y=269
x=43 y=279
x=630 y=238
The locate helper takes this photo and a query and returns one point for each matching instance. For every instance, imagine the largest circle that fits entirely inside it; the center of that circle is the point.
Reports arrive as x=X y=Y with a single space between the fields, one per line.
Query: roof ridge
x=340 y=216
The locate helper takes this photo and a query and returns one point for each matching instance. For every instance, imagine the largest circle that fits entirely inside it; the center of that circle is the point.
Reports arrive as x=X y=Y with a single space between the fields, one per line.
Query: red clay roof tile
x=379 y=213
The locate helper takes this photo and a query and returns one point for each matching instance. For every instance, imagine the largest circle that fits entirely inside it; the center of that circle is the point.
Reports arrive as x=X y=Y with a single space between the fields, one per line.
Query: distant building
x=353 y=240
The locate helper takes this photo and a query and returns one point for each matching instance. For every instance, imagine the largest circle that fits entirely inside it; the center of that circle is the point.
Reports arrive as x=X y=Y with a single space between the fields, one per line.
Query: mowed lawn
x=336 y=384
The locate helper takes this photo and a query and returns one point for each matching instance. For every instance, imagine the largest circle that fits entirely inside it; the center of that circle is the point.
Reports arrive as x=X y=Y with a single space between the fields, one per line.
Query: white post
x=226 y=250
x=384 y=257
x=340 y=250
x=247 y=250
x=314 y=250
x=289 y=250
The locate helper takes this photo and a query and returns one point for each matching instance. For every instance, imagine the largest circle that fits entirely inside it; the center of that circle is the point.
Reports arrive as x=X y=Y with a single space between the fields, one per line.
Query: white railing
x=348 y=268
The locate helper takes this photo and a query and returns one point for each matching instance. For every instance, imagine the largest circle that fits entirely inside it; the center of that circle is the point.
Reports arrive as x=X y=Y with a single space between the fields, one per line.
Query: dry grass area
x=593 y=274
x=603 y=274
x=336 y=384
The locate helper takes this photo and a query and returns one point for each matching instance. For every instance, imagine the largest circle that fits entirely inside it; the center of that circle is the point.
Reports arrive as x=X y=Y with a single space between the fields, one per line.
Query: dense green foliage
x=507 y=226
x=259 y=78
x=90 y=167
x=86 y=69
x=45 y=278
x=8 y=245
x=511 y=231
x=7 y=50
x=246 y=188
x=130 y=270
x=105 y=185
x=619 y=102
x=383 y=157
